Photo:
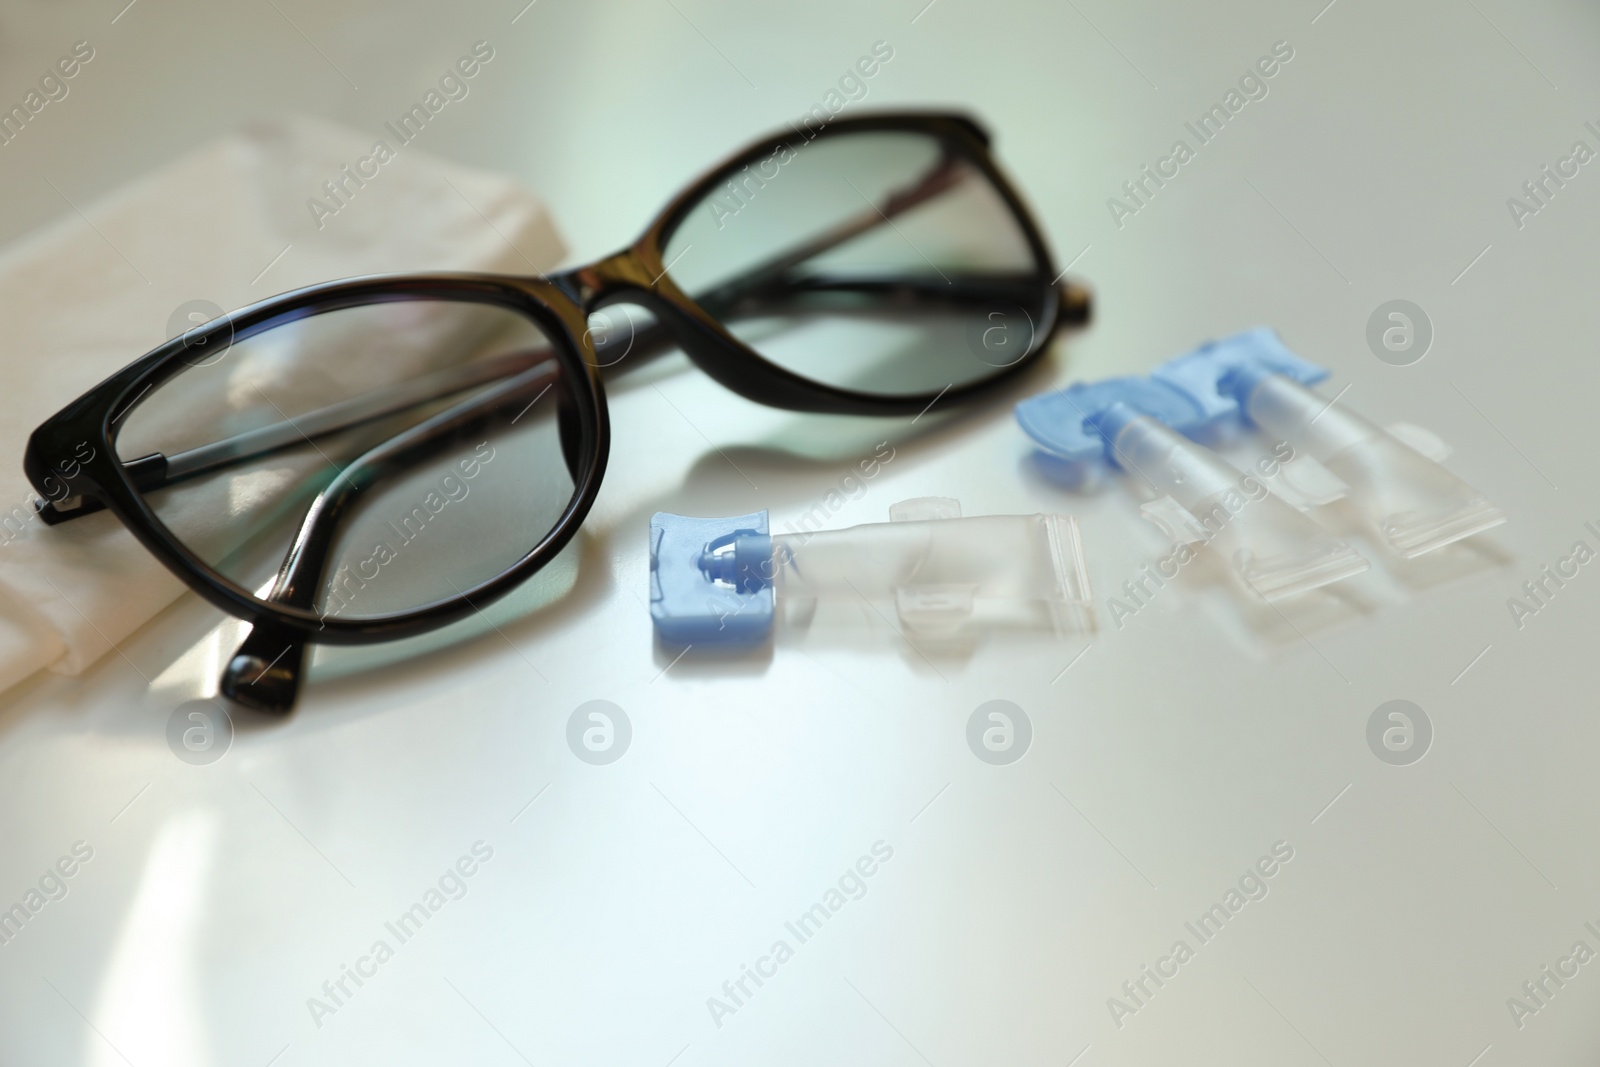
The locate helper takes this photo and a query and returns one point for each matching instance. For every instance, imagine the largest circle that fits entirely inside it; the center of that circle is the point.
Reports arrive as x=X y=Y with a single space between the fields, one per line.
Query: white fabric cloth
x=92 y=292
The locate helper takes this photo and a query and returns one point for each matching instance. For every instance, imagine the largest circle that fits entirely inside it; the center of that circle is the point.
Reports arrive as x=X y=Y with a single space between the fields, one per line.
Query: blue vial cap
x=1220 y=375
x=711 y=579
x=1081 y=421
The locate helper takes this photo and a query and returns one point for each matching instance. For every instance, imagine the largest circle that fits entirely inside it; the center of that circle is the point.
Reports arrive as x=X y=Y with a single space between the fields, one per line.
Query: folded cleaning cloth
x=230 y=223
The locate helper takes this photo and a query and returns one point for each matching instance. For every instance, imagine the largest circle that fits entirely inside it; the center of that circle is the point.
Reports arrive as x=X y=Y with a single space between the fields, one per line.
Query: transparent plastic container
x=1273 y=549
x=943 y=571
x=720 y=581
x=1413 y=504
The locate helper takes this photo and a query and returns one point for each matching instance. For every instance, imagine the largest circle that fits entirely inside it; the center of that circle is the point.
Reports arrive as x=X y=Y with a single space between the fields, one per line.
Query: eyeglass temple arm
x=265 y=671
x=946 y=175
x=156 y=470
x=1073 y=304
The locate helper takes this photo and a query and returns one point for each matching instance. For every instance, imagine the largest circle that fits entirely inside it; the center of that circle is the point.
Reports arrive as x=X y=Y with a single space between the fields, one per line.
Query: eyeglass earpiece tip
x=1077 y=304
x=269 y=684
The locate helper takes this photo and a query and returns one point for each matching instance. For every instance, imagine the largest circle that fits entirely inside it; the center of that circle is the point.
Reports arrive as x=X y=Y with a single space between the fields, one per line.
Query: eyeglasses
x=374 y=458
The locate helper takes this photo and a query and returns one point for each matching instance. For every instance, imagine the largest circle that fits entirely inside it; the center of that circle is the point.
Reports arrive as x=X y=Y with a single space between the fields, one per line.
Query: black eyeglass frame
x=559 y=305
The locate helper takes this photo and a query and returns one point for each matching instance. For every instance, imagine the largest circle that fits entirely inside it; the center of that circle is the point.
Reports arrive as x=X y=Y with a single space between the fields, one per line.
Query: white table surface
x=1172 y=755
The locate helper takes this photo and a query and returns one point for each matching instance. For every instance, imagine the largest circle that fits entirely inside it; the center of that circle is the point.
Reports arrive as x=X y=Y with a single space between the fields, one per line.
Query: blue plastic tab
x=1077 y=422
x=711 y=579
x=1219 y=375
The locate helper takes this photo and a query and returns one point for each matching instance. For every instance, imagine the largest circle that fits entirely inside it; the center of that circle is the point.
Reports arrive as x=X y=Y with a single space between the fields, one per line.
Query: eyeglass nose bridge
x=621 y=275
x=635 y=276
